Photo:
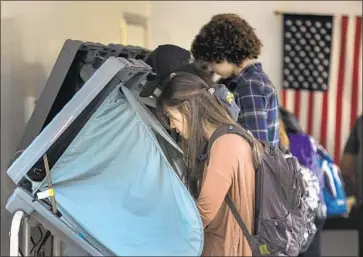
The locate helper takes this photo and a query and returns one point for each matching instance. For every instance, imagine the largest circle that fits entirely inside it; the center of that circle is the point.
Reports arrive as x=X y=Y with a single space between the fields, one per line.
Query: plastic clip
x=45 y=194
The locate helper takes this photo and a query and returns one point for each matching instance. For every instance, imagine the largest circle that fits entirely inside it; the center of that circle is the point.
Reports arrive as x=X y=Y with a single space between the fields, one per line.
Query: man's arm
x=252 y=103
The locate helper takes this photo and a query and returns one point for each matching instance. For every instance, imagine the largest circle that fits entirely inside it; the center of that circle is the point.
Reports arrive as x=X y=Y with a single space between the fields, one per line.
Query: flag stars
x=306 y=52
x=317 y=37
x=316 y=61
x=318 y=24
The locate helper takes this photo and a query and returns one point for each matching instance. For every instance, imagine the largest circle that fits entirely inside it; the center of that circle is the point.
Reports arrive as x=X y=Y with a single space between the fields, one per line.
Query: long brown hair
x=189 y=94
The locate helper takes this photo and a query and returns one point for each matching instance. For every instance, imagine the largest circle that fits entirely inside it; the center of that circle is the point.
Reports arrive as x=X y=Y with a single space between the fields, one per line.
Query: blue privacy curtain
x=119 y=190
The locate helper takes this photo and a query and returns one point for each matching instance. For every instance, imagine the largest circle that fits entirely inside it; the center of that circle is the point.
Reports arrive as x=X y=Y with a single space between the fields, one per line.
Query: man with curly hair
x=230 y=45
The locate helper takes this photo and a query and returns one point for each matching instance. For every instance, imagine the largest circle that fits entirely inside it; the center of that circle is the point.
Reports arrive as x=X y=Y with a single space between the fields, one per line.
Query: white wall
x=177 y=22
x=32 y=34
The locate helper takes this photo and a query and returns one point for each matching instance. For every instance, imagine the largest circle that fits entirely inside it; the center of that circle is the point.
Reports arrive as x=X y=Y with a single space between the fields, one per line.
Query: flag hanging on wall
x=322 y=77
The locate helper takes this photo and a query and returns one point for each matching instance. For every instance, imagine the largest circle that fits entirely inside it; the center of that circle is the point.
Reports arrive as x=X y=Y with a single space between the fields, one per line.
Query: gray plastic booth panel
x=73 y=108
x=50 y=91
x=126 y=71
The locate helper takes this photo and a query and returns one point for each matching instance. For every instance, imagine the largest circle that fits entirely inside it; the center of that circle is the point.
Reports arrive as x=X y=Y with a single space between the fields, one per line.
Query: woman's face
x=177 y=121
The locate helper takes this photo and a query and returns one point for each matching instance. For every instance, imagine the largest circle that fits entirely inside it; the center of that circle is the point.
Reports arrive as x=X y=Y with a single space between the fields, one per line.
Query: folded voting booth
x=102 y=175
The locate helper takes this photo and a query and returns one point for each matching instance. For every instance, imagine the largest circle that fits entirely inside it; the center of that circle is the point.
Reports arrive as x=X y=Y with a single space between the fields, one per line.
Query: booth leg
x=26 y=237
x=14 y=233
x=56 y=246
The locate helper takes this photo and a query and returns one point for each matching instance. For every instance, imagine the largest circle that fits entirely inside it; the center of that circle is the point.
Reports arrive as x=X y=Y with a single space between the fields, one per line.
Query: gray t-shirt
x=354 y=146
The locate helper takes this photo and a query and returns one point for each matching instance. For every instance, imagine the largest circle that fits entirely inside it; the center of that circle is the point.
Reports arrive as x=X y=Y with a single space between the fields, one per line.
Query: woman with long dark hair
x=187 y=105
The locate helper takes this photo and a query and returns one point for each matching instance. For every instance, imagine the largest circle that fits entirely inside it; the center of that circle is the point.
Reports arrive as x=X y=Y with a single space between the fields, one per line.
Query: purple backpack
x=302 y=148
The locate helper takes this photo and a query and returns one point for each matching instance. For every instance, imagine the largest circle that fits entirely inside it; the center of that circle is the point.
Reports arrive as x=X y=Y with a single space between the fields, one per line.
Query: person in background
x=187 y=105
x=351 y=166
x=284 y=139
x=231 y=46
x=351 y=162
x=166 y=60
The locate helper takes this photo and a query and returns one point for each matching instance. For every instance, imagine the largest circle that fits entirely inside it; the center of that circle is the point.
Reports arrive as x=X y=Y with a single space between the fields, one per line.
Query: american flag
x=323 y=87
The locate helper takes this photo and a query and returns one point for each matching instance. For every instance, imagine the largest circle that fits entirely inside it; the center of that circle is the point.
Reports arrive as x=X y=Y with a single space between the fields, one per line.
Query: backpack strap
x=225 y=129
x=228 y=129
x=242 y=225
x=234 y=129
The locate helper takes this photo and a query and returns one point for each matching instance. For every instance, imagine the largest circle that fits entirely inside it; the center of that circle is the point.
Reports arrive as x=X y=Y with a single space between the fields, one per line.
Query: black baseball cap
x=164 y=60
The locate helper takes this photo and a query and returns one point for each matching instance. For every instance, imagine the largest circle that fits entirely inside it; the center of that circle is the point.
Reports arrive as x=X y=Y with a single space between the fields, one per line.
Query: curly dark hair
x=226 y=37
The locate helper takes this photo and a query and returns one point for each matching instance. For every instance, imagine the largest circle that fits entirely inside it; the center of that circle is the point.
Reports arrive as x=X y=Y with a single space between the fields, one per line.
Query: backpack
x=334 y=194
x=284 y=204
x=302 y=147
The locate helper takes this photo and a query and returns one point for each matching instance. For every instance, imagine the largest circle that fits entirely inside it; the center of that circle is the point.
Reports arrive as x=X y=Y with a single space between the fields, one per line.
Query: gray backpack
x=285 y=205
